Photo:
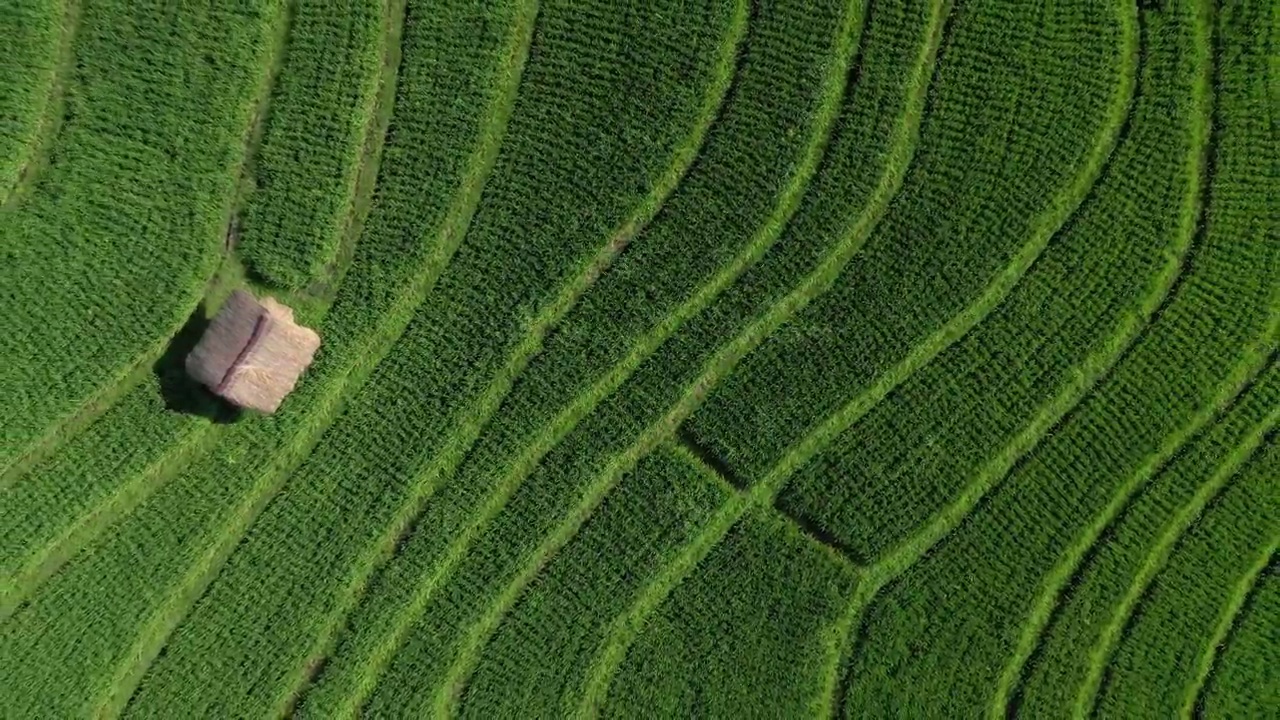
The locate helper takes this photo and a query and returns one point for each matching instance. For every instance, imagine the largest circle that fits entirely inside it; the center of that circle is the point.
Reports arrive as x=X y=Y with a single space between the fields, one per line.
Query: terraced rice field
x=681 y=358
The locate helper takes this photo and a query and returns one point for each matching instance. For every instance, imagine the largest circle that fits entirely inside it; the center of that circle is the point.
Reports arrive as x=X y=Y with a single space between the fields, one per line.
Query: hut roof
x=253 y=352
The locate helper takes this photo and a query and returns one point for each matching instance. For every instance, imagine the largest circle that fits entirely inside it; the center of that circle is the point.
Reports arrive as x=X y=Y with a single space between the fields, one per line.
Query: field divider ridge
x=1206 y=662
x=1058 y=580
x=1254 y=361
x=835 y=86
x=766 y=491
x=372 y=146
x=45 y=562
x=50 y=120
x=706 y=470
x=1177 y=527
x=473 y=422
x=1095 y=368
x=346 y=381
x=133 y=373
x=724 y=361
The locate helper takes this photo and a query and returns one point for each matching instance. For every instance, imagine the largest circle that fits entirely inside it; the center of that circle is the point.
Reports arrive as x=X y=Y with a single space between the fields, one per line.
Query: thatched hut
x=253 y=352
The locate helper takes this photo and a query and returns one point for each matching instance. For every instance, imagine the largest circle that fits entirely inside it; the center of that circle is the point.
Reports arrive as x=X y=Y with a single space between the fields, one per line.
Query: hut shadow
x=181 y=393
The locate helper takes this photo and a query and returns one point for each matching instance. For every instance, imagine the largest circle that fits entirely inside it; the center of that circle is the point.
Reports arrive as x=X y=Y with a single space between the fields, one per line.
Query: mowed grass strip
x=1180 y=619
x=770 y=33
x=61 y=502
x=137 y=582
x=886 y=462
x=1239 y=121
x=745 y=635
x=763 y=492
x=478 y=414
x=618 y=426
x=165 y=421
x=36 y=32
x=536 y=663
x=1211 y=335
x=109 y=252
x=1243 y=679
x=1004 y=139
x=1128 y=550
x=305 y=172
x=337 y=476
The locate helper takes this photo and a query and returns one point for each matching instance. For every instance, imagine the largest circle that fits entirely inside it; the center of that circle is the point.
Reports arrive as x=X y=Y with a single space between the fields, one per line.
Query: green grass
x=339 y=467
x=35 y=33
x=969 y=212
x=1137 y=544
x=109 y=252
x=1073 y=470
x=1242 y=678
x=904 y=358
x=321 y=110
x=1177 y=625
x=745 y=637
x=205 y=504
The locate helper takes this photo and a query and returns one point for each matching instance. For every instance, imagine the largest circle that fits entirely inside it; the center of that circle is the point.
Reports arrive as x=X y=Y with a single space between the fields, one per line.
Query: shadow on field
x=181 y=393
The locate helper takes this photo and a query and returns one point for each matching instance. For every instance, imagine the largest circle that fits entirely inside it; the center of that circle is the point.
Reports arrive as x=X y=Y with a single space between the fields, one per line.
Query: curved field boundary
x=52 y=556
x=817 y=282
x=768 y=488
x=1091 y=372
x=129 y=496
x=1193 y=695
x=491 y=398
x=88 y=387
x=1158 y=556
x=133 y=373
x=357 y=366
x=828 y=111
x=295 y=218
x=1058 y=580
x=45 y=103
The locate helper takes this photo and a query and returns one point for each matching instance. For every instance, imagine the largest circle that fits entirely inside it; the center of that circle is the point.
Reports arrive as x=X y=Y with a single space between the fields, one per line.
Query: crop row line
x=1158 y=556
x=128 y=376
x=489 y=401
x=49 y=119
x=1192 y=701
x=1096 y=368
x=50 y=558
x=624 y=629
x=478 y=635
x=1057 y=581
x=358 y=366
x=767 y=490
x=45 y=562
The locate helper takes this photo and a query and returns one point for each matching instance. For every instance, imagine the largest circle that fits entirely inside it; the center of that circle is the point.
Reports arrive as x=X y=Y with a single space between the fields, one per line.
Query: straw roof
x=253 y=352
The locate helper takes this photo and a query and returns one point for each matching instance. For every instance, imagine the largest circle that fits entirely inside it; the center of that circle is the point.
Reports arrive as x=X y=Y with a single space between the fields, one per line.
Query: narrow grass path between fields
x=135 y=372
x=1206 y=663
x=1092 y=372
x=1057 y=582
x=46 y=561
x=1175 y=529
x=627 y=627
x=46 y=103
x=479 y=414
x=789 y=200
x=343 y=381
x=720 y=364
x=310 y=304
